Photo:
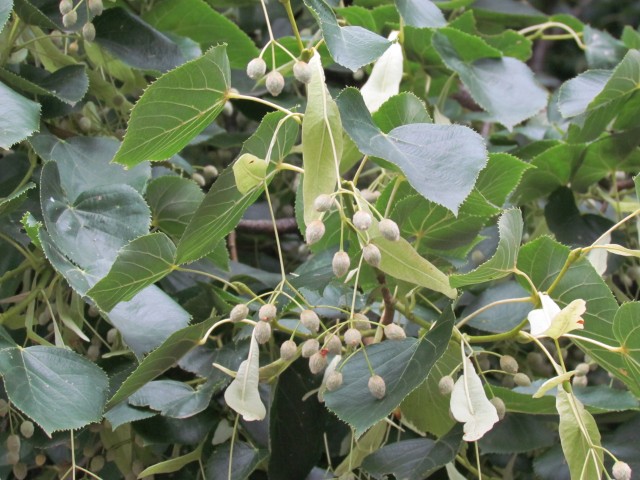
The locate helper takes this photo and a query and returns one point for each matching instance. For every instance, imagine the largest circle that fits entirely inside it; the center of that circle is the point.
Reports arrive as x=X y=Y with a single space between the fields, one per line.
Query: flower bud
x=372 y=255
x=315 y=231
x=334 y=345
x=267 y=312
x=302 y=71
x=4 y=407
x=199 y=179
x=210 y=172
x=310 y=347
x=65 y=6
x=256 y=68
x=274 y=83
x=262 y=332
x=521 y=379
x=394 y=332
x=40 y=460
x=340 y=263
x=27 y=429
x=501 y=408
x=20 y=471
x=13 y=443
x=389 y=229
x=12 y=458
x=352 y=337
x=621 y=471
x=89 y=32
x=239 y=313
x=369 y=195
x=445 y=385
x=288 y=350
x=317 y=363
x=581 y=381
x=508 y=364
x=582 y=369
x=323 y=203
x=73 y=49
x=70 y=19
x=362 y=220
x=310 y=320
x=377 y=386
x=96 y=7
x=361 y=321
x=334 y=381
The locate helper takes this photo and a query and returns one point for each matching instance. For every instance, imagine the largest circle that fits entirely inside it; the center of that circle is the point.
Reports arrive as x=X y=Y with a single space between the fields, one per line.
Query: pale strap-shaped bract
x=470 y=405
x=385 y=78
x=242 y=394
x=552 y=321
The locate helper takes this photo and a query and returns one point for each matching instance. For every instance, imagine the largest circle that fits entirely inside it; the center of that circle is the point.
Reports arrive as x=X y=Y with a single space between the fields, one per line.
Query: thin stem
x=356 y=176
x=292 y=21
x=595 y=342
x=239 y=96
x=614 y=227
x=573 y=256
x=538 y=29
x=288 y=166
x=271 y=39
x=498 y=336
x=392 y=196
x=488 y=306
x=275 y=231
x=233 y=440
x=209 y=275
x=73 y=457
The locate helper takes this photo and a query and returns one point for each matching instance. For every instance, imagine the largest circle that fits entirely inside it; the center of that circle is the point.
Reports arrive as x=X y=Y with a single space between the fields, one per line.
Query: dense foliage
x=303 y=239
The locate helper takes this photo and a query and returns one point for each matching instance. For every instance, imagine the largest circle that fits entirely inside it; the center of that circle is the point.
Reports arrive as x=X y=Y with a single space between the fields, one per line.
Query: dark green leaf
x=504 y=260
x=57 y=388
x=172 y=398
x=161 y=359
x=403 y=364
x=5 y=339
x=243 y=457
x=46 y=14
x=173 y=201
x=19 y=117
x=292 y=419
x=414 y=459
x=5 y=10
x=174 y=464
x=501 y=318
x=351 y=47
x=124 y=413
x=400 y=110
x=420 y=13
x=198 y=21
x=517 y=434
x=500 y=177
x=135 y=42
x=78 y=278
x=441 y=162
x=141 y=263
x=508 y=12
x=68 y=84
x=13 y=201
x=175 y=108
x=504 y=87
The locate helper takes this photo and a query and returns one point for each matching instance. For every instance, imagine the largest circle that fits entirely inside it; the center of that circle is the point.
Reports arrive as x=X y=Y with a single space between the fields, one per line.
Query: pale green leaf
x=441 y=162
x=57 y=388
x=626 y=329
x=420 y=13
x=141 y=263
x=19 y=117
x=579 y=437
x=403 y=364
x=351 y=47
x=576 y=94
x=321 y=142
x=242 y=394
x=174 y=464
x=552 y=383
x=504 y=260
x=364 y=446
x=175 y=108
x=172 y=398
x=249 y=171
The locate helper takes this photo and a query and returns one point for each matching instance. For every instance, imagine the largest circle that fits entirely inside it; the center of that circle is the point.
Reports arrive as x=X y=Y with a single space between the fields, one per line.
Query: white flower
x=242 y=394
x=551 y=321
x=385 y=78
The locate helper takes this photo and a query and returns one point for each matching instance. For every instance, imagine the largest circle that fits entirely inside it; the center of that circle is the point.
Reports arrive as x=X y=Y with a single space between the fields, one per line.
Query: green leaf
x=605 y=105
x=510 y=12
x=224 y=205
x=249 y=172
x=504 y=87
x=172 y=398
x=174 y=464
x=292 y=418
x=68 y=84
x=321 y=142
x=400 y=110
x=425 y=409
x=414 y=459
x=84 y=163
x=141 y=263
x=57 y=388
x=403 y=364
x=420 y=13
x=365 y=445
x=13 y=201
x=517 y=434
x=161 y=359
x=500 y=177
x=441 y=162
x=626 y=330
x=46 y=14
x=32 y=228
x=576 y=94
x=504 y=260
x=197 y=20
x=173 y=201
x=243 y=458
x=577 y=436
x=351 y=47
x=19 y=117
x=78 y=278
x=5 y=10
x=175 y=108
x=500 y=318
x=401 y=261
x=603 y=50
x=128 y=38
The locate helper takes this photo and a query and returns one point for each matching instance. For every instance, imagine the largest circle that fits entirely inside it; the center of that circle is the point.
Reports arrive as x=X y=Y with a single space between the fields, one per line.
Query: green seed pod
x=97 y=463
x=288 y=350
x=372 y=255
x=256 y=68
x=521 y=379
x=389 y=229
x=317 y=363
x=394 y=332
x=310 y=347
x=302 y=71
x=267 y=312
x=262 y=332
x=239 y=313
x=315 y=231
x=70 y=19
x=377 y=387
x=362 y=220
x=334 y=381
x=352 y=337
x=89 y=32
x=508 y=364
x=501 y=408
x=445 y=385
x=340 y=263
x=310 y=320
x=274 y=83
